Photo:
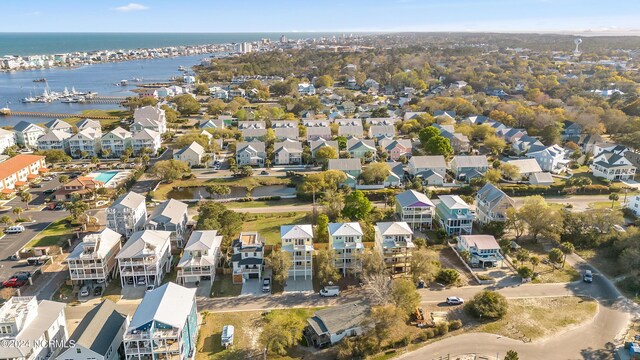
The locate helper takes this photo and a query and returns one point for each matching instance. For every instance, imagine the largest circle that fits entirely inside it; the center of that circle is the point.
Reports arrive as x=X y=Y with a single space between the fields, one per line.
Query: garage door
x=254 y=276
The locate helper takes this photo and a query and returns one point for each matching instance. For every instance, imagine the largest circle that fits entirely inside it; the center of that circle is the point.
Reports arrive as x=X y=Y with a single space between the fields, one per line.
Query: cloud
x=34 y=13
x=131 y=7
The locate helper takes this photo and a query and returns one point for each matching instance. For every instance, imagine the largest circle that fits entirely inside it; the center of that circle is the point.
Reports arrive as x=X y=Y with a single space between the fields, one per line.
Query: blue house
x=454 y=215
x=484 y=250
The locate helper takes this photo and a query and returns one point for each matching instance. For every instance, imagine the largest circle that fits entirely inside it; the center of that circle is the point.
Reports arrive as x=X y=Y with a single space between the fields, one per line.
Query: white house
x=484 y=250
x=288 y=152
x=345 y=239
x=98 y=336
x=127 y=214
x=633 y=204
x=59 y=125
x=53 y=140
x=149 y=117
x=30 y=329
x=394 y=241
x=145 y=258
x=250 y=153
x=90 y=124
x=115 y=142
x=297 y=240
x=551 y=158
x=27 y=134
x=466 y=167
x=94 y=259
x=415 y=208
x=191 y=154
x=146 y=139
x=164 y=326
x=7 y=139
x=612 y=166
x=200 y=258
x=85 y=141
x=306 y=89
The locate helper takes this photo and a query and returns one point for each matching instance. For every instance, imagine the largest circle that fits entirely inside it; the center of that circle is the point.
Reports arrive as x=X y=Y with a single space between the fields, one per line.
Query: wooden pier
x=7 y=112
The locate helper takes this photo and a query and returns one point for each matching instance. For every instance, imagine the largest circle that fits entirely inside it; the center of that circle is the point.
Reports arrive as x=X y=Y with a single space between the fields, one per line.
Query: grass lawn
x=605 y=205
x=532 y=319
x=223 y=286
x=601 y=259
x=249 y=182
x=247 y=329
x=113 y=290
x=260 y=203
x=65 y=294
x=268 y=225
x=546 y=272
x=57 y=233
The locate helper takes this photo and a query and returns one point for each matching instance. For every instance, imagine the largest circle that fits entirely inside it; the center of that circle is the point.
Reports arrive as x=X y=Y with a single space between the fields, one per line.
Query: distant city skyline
x=322 y=16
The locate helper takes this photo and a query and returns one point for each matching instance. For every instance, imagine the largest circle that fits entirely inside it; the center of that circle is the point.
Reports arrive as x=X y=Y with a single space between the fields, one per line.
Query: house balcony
x=195 y=272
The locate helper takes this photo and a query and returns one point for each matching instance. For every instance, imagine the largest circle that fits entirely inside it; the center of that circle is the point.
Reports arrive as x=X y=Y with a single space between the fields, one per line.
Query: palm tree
x=17 y=211
x=6 y=220
x=26 y=197
x=567 y=248
x=613 y=197
x=95 y=160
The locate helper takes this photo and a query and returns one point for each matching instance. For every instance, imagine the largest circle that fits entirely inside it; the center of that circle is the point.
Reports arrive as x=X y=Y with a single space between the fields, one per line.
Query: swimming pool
x=105 y=176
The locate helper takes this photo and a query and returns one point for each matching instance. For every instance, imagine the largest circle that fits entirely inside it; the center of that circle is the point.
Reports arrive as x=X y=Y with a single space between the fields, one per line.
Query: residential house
x=306 y=89
x=571 y=129
x=19 y=171
x=288 y=152
x=151 y=118
x=492 y=204
x=396 y=148
x=382 y=121
x=361 y=149
x=83 y=187
x=242 y=125
x=609 y=147
x=172 y=216
x=282 y=124
x=483 y=249
x=467 y=167
x=551 y=158
x=315 y=133
x=212 y=124
x=283 y=133
x=394 y=241
x=329 y=326
x=415 y=209
x=454 y=215
x=145 y=258
x=431 y=169
x=27 y=134
x=7 y=140
x=297 y=240
x=98 y=336
x=409 y=115
x=612 y=166
x=164 y=326
x=526 y=167
x=541 y=178
x=94 y=259
x=445 y=117
x=200 y=257
x=348 y=107
x=351 y=167
x=510 y=134
x=311 y=122
x=115 y=142
x=633 y=204
x=587 y=142
x=237 y=92
x=248 y=257
x=459 y=143
x=250 y=153
x=396 y=174
x=253 y=134
x=345 y=239
x=191 y=154
x=525 y=144
x=350 y=130
x=59 y=125
x=86 y=143
x=53 y=140
x=382 y=131
x=90 y=124
x=146 y=139
x=32 y=330
x=127 y=214
x=316 y=145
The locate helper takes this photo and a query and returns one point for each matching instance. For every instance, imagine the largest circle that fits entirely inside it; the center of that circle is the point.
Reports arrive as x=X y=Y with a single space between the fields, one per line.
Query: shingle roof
x=432 y=161
x=345 y=229
x=197 y=148
x=144 y=243
x=172 y=210
x=99 y=327
x=23 y=125
x=339 y=318
x=414 y=199
x=394 y=228
x=58 y=124
x=345 y=164
x=526 y=166
x=470 y=161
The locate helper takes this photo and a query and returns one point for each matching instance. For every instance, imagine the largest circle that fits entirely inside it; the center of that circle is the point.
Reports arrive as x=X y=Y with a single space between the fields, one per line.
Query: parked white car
x=16 y=229
x=330 y=291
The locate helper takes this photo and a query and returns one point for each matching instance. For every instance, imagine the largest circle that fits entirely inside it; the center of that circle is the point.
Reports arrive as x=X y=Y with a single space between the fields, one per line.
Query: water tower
x=577 y=41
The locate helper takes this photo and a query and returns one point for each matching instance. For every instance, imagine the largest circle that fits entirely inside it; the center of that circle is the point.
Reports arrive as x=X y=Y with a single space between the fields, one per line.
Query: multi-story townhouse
x=164 y=326
x=127 y=214
x=7 y=139
x=145 y=258
x=416 y=209
x=288 y=152
x=146 y=139
x=27 y=134
x=431 y=169
x=86 y=142
x=149 y=117
x=59 y=125
x=297 y=240
x=55 y=140
x=248 y=257
x=551 y=158
x=394 y=241
x=454 y=215
x=250 y=153
x=612 y=166
x=32 y=330
x=115 y=142
x=382 y=131
x=19 y=170
x=345 y=239
x=200 y=258
x=171 y=215
x=94 y=259
x=90 y=124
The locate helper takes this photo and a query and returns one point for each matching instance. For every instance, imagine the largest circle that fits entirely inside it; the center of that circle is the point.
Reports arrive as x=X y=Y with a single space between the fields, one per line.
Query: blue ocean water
x=53 y=43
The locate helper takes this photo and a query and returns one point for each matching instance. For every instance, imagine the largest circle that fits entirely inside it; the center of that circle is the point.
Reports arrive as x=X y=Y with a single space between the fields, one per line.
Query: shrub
x=431 y=333
x=448 y=276
x=422 y=336
x=488 y=305
x=442 y=328
x=455 y=324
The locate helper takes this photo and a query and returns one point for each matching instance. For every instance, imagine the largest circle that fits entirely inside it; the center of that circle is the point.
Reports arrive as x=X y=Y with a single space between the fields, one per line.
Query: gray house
x=329 y=326
x=171 y=215
x=127 y=214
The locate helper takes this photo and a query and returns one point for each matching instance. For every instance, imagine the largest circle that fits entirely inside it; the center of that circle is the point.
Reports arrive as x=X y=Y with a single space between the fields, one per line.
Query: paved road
x=589 y=341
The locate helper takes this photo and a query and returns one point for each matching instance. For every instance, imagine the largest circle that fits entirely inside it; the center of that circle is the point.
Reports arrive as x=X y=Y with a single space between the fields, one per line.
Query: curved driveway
x=588 y=341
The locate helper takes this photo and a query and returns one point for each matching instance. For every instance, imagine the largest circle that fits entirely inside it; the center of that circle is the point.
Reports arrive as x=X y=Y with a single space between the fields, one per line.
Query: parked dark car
x=18 y=279
x=36 y=185
x=97 y=291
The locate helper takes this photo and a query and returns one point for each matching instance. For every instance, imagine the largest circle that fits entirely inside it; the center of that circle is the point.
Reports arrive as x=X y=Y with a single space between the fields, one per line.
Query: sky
x=319 y=15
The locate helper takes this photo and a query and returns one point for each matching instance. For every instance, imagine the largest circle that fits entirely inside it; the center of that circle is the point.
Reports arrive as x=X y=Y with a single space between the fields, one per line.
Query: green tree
x=448 y=276
x=357 y=206
x=186 y=104
x=556 y=256
x=26 y=197
x=375 y=173
x=424 y=265
x=54 y=156
x=189 y=138
x=63 y=179
x=488 y=305
x=219 y=190
x=281 y=331
x=525 y=272
x=17 y=211
x=322 y=229
x=438 y=145
x=511 y=355
x=280 y=263
x=404 y=295
x=493 y=176
x=170 y=170
x=5 y=220
x=540 y=218
x=325 y=153
x=426 y=134
x=495 y=144
x=324 y=81
x=613 y=197
x=372 y=263
x=535 y=261
x=510 y=171
x=567 y=248
x=326 y=270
